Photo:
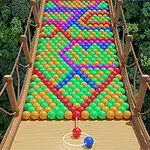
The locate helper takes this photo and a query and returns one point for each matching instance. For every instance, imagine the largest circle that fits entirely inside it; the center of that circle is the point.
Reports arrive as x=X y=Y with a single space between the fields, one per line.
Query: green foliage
x=13 y=17
x=137 y=14
x=20 y=9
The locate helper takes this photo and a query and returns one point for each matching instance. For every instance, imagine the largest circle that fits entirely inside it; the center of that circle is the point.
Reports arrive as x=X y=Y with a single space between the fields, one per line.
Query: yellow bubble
x=26 y=115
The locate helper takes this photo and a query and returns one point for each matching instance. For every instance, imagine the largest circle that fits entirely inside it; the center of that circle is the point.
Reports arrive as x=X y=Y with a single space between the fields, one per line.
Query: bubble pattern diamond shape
x=76 y=68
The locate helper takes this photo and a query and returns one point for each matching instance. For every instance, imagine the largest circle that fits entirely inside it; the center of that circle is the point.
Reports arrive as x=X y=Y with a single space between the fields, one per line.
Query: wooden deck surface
x=47 y=135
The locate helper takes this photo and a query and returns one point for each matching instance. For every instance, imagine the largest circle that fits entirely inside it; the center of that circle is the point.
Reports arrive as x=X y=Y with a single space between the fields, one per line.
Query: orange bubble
x=108 y=97
x=110 y=114
x=34 y=94
x=39 y=109
x=32 y=101
x=43 y=115
x=26 y=115
x=37 y=97
x=116 y=97
x=84 y=97
x=68 y=115
x=76 y=105
x=35 y=105
x=47 y=109
x=118 y=93
x=34 y=115
x=111 y=93
x=120 y=101
x=107 y=90
x=114 y=109
x=119 y=76
x=127 y=114
x=36 y=87
x=117 y=105
x=52 y=105
x=105 y=108
x=42 y=94
x=45 y=97
x=85 y=115
x=40 y=83
x=118 y=115
x=101 y=105
x=49 y=101
x=105 y=101
x=34 y=77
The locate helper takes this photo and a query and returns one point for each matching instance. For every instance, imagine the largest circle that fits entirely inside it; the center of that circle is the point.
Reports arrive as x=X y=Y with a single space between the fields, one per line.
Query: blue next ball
x=89 y=141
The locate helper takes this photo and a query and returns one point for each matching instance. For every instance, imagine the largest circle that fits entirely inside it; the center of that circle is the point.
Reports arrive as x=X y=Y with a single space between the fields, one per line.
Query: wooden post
x=129 y=39
x=23 y=39
x=11 y=93
x=117 y=11
x=142 y=91
x=35 y=12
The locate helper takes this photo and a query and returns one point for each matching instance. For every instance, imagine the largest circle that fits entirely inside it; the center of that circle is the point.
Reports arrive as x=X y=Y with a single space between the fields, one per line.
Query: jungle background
x=13 y=18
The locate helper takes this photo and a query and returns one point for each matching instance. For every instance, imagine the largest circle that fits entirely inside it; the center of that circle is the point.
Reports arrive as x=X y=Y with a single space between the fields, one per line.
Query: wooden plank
x=42 y=135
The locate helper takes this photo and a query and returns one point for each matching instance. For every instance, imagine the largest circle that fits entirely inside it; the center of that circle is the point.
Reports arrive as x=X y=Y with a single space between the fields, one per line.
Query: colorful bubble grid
x=76 y=70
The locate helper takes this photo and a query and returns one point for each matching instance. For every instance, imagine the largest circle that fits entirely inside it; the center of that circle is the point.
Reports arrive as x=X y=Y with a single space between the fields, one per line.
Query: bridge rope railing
x=126 y=47
x=26 y=46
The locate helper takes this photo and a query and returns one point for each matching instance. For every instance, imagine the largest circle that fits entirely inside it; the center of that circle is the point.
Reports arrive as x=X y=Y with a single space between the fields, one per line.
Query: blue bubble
x=88 y=141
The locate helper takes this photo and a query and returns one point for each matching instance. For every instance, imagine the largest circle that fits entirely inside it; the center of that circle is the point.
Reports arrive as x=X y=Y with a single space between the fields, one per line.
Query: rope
x=17 y=59
x=132 y=48
x=144 y=113
x=29 y=34
x=18 y=81
x=128 y=66
x=17 y=63
x=7 y=113
x=24 y=66
x=28 y=22
x=3 y=88
x=134 y=81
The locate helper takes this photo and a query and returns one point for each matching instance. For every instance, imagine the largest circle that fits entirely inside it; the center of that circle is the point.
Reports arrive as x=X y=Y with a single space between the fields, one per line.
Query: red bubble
x=108 y=80
x=99 y=90
x=64 y=100
x=102 y=87
x=72 y=108
x=76 y=114
x=80 y=109
x=68 y=105
x=76 y=132
x=84 y=105
x=88 y=101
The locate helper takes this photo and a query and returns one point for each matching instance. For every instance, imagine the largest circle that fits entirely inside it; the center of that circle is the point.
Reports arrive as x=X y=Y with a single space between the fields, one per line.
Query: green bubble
x=40 y=101
x=60 y=115
x=96 y=101
x=126 y=106
x=29 y=97
x=27 y=105
x=97 y=109
x=112 y=101
x=39 y=90
x=102 y=115
x=56 y=109
x=93 y=105
x=93 y=115
x=32 y=84
x=31 y=90
x=37 y=80
x=44 y=104
x=122 y=109
x=51 y=115
x=109 y=105
x=122 y=91
x=31 y=109
x=89 y=109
